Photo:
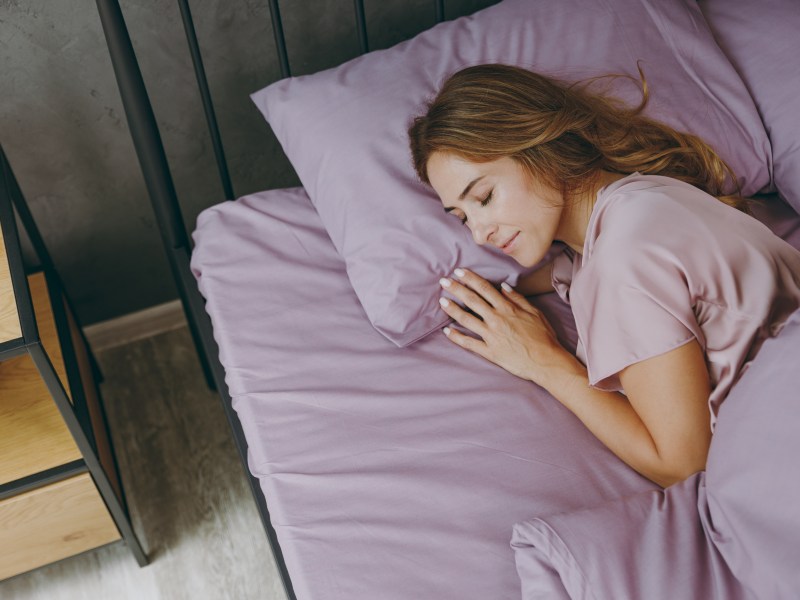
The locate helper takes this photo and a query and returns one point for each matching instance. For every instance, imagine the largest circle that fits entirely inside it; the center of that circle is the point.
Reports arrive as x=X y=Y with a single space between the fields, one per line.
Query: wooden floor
x=187 y=492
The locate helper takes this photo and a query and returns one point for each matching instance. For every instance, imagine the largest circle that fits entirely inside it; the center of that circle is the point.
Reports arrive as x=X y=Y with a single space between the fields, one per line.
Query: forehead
x=450 y=175
x=443 y=166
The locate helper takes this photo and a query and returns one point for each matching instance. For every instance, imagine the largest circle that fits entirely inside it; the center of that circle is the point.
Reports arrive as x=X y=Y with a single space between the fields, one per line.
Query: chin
x=523 y=262
x=526 y=259
x=530 y=261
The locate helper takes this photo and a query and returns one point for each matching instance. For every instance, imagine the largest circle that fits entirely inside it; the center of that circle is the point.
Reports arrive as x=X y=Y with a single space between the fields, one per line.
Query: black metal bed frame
x=153 y=162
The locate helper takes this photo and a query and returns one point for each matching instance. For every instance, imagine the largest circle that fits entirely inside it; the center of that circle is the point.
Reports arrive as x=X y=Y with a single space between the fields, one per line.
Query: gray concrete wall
x=64 y=130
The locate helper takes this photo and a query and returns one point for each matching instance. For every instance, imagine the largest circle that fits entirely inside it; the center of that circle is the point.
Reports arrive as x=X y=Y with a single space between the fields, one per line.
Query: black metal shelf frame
x=75 y=413
x=152 y=159
x=31 y=482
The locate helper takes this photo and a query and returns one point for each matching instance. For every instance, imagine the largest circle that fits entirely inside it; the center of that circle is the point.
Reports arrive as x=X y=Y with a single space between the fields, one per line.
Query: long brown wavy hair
x=563 y=134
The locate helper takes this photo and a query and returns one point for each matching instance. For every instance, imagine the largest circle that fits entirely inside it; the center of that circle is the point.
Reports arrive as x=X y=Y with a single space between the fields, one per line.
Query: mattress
x=390 y=473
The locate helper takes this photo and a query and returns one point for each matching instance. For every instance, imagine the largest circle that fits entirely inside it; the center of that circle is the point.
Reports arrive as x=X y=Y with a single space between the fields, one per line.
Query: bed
x=387 y=462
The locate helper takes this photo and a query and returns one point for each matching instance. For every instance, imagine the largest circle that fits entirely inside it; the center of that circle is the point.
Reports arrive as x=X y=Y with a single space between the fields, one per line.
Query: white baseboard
x=136 y=326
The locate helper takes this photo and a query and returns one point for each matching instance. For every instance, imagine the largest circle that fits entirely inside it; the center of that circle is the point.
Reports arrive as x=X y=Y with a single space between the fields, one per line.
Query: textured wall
x=64 y=130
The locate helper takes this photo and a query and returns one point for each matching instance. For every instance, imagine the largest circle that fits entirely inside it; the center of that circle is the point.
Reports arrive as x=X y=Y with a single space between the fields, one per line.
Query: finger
x=480 y=285
x=461 y=316
x=465 y=341
x=470 y=299
x=517 y=298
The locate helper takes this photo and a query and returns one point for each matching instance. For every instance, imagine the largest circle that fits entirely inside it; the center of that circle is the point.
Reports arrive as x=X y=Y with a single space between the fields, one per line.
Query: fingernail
x=506 y=287
x=446 y=330
x=459 y=273
x=444 y=282
x=444 y=301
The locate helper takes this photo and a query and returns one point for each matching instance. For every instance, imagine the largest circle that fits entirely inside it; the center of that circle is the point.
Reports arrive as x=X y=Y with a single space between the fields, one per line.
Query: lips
x=507 y=247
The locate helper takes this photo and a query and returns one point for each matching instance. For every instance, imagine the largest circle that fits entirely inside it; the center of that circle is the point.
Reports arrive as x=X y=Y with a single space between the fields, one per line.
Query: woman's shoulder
x=649 y=196
x=650 y=226
x=648 y=210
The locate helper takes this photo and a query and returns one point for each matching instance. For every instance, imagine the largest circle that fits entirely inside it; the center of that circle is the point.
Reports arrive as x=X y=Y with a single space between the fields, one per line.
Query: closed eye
x=483 y=202
x=449 y=210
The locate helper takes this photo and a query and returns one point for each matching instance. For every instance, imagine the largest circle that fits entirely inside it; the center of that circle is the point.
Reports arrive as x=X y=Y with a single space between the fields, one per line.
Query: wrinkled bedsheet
x=389 y=473
x=731 y=532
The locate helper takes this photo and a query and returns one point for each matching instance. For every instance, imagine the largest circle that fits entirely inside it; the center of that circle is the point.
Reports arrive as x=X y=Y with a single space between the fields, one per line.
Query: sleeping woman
x=673 y=285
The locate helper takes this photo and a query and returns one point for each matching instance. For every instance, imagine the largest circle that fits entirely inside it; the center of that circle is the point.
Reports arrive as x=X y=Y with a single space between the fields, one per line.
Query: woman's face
x=500 y=203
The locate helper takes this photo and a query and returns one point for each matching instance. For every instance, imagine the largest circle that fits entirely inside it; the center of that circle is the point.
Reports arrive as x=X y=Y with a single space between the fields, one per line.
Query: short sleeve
x=561 y=277
x=629 y=307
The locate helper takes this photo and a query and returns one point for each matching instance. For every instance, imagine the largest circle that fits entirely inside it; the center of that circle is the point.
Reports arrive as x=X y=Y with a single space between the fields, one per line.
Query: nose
x=482 y=232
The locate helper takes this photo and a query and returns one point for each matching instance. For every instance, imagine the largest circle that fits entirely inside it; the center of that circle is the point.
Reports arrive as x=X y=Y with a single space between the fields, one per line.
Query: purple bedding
x=650 y=545
x=729 y=533
x=395 y=473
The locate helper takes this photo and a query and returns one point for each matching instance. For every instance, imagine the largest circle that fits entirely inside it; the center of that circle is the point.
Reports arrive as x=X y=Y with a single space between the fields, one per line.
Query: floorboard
x=187 y=492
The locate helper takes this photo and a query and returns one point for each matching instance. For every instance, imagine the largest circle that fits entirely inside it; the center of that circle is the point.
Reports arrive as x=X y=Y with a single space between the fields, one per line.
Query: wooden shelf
x=9 y=319
x=51 y=523
x=33 y=435
x=60 y=489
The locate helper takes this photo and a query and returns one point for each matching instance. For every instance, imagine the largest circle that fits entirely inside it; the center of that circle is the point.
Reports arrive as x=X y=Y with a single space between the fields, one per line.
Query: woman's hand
x=514 y=334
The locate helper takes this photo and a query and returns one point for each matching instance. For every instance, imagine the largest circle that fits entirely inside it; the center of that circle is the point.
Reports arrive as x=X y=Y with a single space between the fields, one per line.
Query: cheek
x=546 y=219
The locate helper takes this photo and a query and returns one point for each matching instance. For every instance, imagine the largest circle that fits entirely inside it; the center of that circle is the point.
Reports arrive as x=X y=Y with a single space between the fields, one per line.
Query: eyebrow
x=463 y=194
x=469 y=187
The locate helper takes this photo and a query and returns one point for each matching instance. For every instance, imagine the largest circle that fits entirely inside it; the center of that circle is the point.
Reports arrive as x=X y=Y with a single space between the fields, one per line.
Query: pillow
x=650 y=545
x=760 y=39
x=344 y=131
x=752 y=472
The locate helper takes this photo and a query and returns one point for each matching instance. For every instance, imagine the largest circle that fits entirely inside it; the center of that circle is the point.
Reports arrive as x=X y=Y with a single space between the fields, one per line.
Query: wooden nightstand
x=60 y=491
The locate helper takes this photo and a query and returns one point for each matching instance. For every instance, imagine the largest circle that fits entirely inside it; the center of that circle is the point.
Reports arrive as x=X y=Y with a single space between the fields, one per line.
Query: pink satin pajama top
x=664 y=263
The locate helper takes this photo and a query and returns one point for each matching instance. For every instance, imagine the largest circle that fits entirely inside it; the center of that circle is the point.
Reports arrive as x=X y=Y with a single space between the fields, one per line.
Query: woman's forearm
x=660 y=429
x=612 y=419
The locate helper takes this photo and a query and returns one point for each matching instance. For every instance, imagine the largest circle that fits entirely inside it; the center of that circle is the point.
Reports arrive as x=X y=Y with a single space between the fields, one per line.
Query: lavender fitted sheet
x=389 y=473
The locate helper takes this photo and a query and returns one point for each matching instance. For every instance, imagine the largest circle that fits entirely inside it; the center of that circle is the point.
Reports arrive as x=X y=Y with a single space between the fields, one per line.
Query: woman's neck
x=578 y=211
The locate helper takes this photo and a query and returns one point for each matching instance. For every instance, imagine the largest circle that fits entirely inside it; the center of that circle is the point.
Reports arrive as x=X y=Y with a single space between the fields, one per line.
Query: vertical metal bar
x=361 y=26
x=439 y=7
x=99 y=476
x=25 y=216
x=9 y=191
x=80 y=405
x=280 y=40
x=150 y=151
x=17 y=199
x=28 y=222
x=205 y=94
x=15 y=196
x=142 y=122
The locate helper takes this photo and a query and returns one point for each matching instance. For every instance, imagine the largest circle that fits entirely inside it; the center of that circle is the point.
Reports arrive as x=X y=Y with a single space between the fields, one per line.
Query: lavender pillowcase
x=760 y=39
x=344 y=131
